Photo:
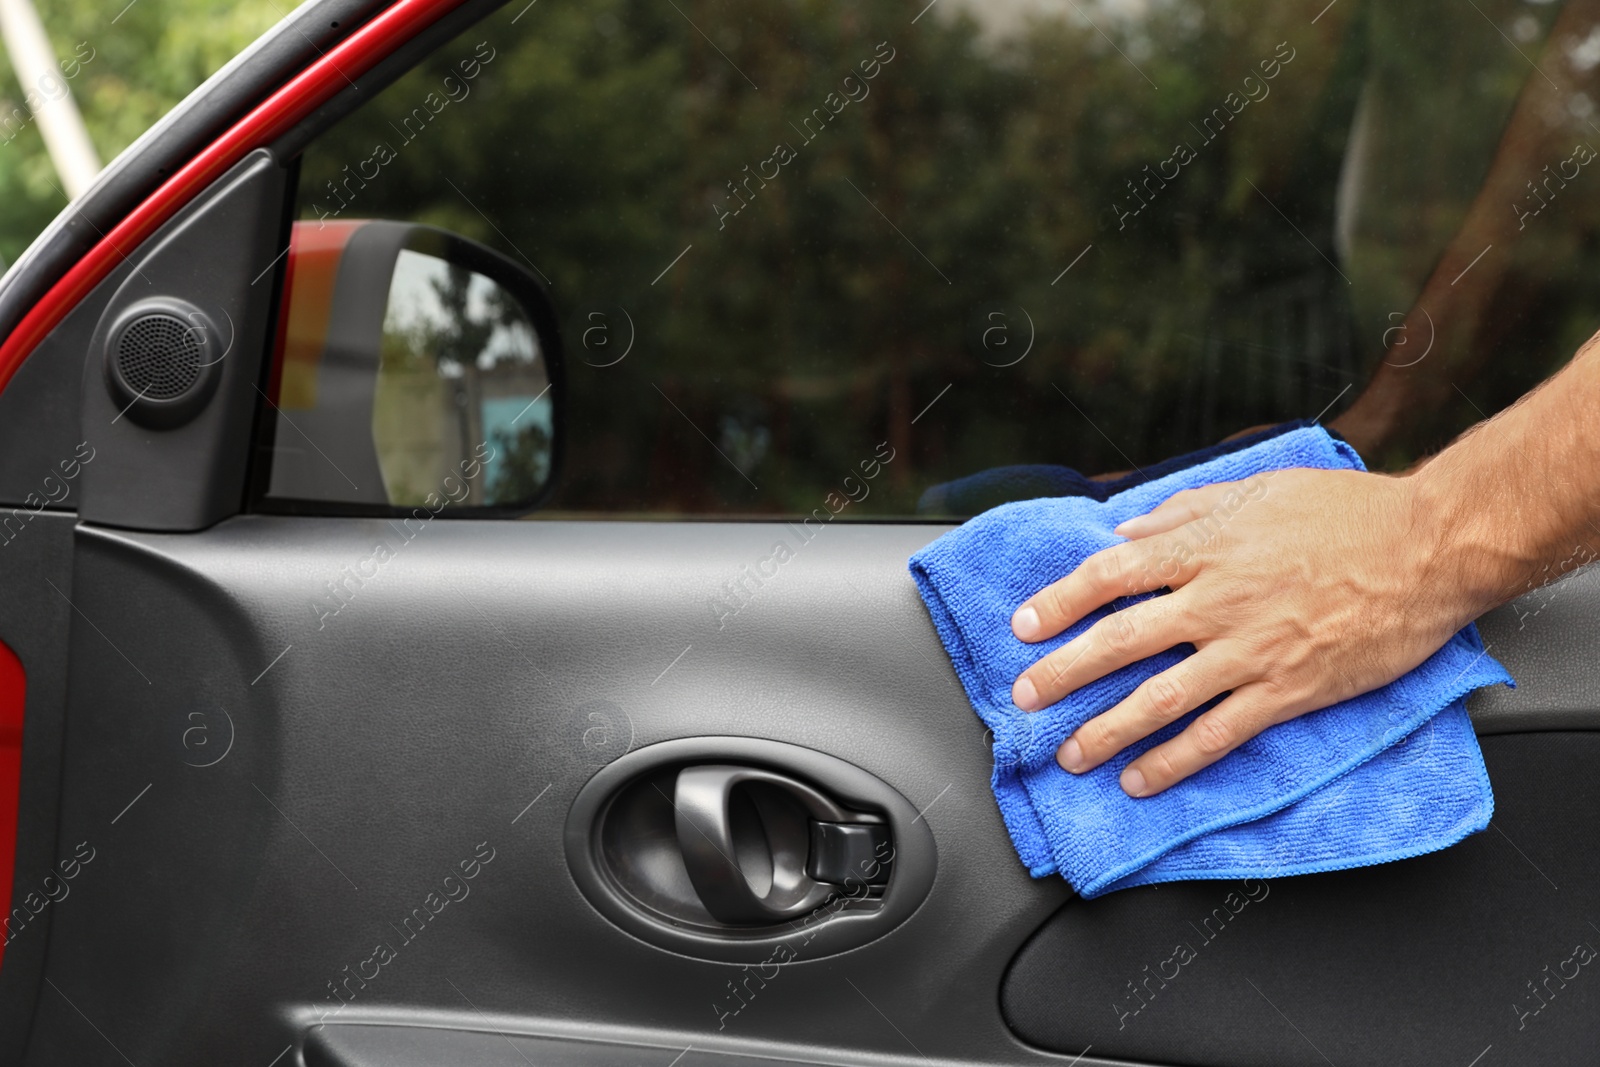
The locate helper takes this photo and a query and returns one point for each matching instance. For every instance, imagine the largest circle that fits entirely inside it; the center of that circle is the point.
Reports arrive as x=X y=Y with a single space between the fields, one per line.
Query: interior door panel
x=1425 y=961
x=1546 y=639
x=452 y=691
x=448 y=710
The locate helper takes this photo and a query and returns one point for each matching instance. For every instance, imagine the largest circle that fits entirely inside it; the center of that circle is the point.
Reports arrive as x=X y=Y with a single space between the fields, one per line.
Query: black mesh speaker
x=161 y=360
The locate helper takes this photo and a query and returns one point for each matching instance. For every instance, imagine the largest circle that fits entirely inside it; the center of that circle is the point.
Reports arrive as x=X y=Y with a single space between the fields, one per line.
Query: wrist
x=1472 y=560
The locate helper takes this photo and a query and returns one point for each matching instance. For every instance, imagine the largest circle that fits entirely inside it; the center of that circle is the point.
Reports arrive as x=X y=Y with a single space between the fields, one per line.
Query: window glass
x=893 y=260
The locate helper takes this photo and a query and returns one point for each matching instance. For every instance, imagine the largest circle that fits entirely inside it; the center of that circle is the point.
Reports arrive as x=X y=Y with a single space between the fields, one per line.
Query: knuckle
x=1055 y=667
x=1168 y=562
x=1107 y=570
x=1142 y=560
x=1158 y=767
x=1191 y=502
x=1232 y=501
x=1274 y=687
x=1213 y=734
x=1051 y=603
x=1120 y=632
x=1167 y=697
x=1094 y=737
x=1180 y=552
x=1189 y=615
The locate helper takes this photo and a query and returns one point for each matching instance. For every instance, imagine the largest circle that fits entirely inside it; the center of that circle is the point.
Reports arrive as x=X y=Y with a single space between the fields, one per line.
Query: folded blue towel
x=1000 y=485
x=1353 y=784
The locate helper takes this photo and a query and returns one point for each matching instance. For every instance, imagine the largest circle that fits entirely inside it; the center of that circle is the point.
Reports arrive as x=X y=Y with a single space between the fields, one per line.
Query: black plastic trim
x=188 y=475
x=1547 y=640
x=35 y=621
x=479 y=1039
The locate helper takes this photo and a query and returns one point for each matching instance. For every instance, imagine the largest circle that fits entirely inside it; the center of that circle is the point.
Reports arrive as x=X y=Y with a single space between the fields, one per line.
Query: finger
x=1177 y=509
x=1245 y=713
x=1121 y=638
x=1121 y=570
x=1157 y=702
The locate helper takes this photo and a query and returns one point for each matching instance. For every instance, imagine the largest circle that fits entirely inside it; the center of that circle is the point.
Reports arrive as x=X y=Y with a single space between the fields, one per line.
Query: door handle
x=623 y=832
x=761 y=847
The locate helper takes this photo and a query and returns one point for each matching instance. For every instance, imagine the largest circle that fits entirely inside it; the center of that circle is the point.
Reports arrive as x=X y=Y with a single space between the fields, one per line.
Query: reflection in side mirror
x=462 y=403
x=415 y=369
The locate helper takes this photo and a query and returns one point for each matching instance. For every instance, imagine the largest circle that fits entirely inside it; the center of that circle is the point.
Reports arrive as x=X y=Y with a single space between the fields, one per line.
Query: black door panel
x=1425 y=961
x=446 y=715
x=443 y=711
x=1546 y=639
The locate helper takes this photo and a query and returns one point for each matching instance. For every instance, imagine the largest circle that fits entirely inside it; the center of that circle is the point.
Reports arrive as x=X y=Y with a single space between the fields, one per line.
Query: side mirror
x=414 y=368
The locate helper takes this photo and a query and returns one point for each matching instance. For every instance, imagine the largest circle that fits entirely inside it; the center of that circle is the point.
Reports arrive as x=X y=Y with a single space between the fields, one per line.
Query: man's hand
x=1298 y=589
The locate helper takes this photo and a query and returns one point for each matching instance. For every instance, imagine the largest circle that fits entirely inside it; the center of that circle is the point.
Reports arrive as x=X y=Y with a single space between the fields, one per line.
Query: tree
x=128 y=68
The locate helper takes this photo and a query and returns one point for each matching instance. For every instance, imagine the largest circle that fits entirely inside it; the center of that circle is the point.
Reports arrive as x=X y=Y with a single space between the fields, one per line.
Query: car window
x=864 y=257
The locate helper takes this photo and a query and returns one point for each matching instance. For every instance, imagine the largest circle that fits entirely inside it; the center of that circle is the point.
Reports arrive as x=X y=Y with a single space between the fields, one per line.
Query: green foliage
x=820 y=309
x=522 y=466
x=145 y=60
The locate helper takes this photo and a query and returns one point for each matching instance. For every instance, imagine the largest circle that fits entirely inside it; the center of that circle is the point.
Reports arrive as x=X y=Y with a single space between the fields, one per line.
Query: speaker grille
x=159 y=356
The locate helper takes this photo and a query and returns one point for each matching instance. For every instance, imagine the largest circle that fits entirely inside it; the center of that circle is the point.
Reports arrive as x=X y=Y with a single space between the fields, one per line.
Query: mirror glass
x=461 y=407
x=413 y=370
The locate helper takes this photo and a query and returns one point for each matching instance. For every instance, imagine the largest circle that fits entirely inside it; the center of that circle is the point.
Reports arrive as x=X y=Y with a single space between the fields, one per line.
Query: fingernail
x=1133 y=782
x=1070 y=756
x=1131 y=527
x=1025 y=624
x=1023 y=694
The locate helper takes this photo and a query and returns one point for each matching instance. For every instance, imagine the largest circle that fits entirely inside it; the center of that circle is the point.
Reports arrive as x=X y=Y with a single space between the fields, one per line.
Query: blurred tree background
x=998 y=144
x=780 y=328
x=147 y=57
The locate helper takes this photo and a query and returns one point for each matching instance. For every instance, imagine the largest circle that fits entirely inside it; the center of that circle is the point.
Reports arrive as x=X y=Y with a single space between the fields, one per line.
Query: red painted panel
x=13 y=691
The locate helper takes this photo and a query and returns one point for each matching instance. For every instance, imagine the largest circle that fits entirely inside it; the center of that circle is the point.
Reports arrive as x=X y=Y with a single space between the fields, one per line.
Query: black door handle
x=747 y=837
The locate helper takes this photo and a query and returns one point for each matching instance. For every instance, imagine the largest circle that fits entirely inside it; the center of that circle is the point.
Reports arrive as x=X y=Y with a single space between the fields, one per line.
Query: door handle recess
x=761 y=847
x=623 y=833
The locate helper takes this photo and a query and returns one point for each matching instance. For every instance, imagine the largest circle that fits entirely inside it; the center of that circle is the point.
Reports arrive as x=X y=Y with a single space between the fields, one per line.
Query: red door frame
x=13 y=695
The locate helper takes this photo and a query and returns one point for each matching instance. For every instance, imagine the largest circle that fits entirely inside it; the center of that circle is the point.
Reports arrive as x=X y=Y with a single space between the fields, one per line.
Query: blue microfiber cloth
x=1000 y=485
x=1386 y=775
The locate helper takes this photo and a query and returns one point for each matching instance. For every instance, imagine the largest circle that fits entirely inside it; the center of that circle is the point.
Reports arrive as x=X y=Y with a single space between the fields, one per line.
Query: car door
x=457 y=548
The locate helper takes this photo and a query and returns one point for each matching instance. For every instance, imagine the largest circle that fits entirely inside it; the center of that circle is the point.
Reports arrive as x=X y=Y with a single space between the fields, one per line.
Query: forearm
x=1515 y=502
